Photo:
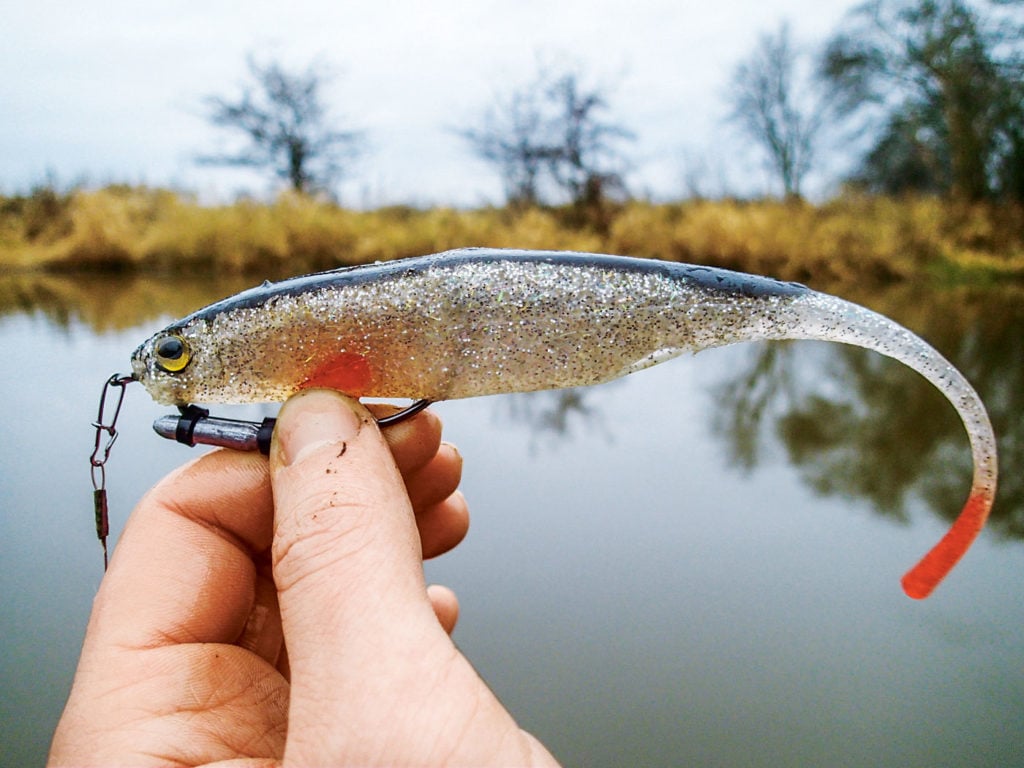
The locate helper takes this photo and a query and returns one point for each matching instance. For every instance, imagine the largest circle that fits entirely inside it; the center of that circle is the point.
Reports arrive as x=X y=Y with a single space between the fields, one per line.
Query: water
x=699 y=564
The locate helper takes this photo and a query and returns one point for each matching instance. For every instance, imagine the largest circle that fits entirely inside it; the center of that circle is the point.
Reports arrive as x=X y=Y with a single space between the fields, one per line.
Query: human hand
x=275 y=612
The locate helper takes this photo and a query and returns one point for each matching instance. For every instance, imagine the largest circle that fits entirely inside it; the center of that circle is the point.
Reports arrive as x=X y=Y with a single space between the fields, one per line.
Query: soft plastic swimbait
x=480 y=321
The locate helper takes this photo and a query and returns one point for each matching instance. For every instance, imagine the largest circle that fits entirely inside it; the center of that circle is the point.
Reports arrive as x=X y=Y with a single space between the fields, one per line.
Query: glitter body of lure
x=482 y=321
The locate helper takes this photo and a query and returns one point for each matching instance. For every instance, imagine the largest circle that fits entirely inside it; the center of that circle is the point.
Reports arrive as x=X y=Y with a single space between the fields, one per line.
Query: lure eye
x=171 y=353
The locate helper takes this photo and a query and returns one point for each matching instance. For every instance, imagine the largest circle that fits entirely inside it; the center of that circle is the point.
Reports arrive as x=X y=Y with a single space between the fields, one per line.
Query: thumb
x=374 y=677
x=346 y=551
x=341 y=508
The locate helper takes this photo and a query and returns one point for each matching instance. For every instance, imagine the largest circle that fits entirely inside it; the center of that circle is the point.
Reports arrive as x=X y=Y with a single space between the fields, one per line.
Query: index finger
x=183 y=570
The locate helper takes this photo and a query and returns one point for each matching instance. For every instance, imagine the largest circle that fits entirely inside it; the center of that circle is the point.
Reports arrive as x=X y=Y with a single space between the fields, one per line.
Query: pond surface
x=696 y=565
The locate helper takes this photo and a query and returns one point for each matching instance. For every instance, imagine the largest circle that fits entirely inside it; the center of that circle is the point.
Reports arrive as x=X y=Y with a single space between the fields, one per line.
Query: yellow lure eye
x=172 y=353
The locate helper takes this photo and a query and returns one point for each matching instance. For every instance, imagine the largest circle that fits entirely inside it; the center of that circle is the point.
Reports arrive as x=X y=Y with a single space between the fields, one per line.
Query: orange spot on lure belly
x=349 y=372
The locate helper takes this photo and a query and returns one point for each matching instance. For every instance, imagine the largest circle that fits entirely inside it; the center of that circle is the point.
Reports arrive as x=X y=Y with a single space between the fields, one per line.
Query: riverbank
x=849 y=239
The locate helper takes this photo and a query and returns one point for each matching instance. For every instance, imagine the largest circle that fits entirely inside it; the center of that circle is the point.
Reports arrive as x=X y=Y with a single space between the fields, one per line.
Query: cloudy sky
x=111 y=90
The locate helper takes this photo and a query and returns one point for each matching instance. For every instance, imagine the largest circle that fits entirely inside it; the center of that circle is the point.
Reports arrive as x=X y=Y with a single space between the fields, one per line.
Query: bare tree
x=549 y=138
x=285 y=128
x=587 y=162
x=510 y=138
x=776 y=106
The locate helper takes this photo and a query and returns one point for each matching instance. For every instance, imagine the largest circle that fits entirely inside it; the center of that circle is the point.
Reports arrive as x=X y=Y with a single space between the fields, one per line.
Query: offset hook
x=195 y=425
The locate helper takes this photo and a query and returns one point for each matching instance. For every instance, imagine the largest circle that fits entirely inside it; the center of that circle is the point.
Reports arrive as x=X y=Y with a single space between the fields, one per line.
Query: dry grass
x=851 y=239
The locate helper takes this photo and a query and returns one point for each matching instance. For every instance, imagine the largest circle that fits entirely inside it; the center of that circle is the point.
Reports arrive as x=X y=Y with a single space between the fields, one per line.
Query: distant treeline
x=853 y=238
x=924 y=97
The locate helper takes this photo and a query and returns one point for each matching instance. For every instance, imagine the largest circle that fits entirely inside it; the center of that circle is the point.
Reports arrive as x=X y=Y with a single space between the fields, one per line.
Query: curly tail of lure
x=482 y=321
x=832 y=319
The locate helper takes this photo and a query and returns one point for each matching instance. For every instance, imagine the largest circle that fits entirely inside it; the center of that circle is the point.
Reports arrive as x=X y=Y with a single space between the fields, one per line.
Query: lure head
x=264 y=353
x=171 y=365
x=196 y=361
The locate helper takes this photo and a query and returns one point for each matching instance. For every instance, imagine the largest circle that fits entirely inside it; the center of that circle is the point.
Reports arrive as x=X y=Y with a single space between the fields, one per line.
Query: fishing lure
x=482 y=321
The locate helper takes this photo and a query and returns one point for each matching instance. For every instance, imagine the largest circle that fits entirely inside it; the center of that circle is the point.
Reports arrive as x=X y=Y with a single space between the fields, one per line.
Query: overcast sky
x=111 y=91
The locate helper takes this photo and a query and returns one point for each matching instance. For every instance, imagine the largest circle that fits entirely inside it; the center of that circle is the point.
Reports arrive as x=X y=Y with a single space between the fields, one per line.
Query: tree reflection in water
x=857 y=424
x=554 y=415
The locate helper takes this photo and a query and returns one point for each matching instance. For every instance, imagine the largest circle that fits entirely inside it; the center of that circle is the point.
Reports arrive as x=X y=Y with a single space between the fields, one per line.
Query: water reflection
x=111 y=302
x=633 y=601
x=856 y=425
x=553 y=415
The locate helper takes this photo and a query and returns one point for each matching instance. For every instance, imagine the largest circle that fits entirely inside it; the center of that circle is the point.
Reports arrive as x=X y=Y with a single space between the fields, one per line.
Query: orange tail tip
x=921 y=580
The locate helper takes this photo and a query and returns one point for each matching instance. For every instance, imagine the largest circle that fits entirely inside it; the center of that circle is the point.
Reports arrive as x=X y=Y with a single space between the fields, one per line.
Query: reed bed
x=850 y=239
